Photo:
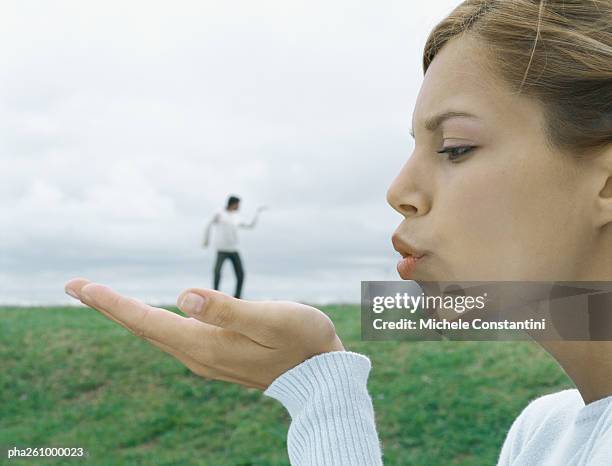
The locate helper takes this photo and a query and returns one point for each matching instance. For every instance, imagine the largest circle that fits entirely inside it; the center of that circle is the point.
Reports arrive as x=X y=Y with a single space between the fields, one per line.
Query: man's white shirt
x=226 y=224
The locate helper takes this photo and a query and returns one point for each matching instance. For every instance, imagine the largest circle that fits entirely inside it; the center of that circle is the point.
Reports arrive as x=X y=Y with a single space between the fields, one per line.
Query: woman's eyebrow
x=434 y=122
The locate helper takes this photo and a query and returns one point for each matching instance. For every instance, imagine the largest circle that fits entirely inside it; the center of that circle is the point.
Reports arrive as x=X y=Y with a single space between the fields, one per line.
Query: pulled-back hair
x=557 y=51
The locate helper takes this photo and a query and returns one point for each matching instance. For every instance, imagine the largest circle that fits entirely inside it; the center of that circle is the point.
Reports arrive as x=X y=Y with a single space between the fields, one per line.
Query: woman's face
x=510 y=208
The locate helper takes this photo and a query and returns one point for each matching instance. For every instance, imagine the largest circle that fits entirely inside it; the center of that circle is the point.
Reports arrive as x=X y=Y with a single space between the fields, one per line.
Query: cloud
x=128 y=123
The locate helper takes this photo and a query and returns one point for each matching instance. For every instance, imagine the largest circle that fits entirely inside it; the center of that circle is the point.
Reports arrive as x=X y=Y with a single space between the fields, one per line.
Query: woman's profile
x=510 y=180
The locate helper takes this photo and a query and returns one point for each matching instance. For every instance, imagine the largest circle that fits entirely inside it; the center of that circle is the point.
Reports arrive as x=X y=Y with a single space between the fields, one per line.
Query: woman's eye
x=455 y=152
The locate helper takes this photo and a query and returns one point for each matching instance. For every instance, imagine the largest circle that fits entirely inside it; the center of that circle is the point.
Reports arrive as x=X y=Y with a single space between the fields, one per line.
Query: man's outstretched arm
x=253 y=222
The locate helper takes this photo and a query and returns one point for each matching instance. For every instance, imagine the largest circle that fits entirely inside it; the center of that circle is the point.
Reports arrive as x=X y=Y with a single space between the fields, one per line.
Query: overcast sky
x=125 y=125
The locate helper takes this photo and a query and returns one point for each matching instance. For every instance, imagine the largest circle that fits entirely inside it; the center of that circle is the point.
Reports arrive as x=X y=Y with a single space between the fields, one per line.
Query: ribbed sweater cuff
x=332 y=418
x=328 y=373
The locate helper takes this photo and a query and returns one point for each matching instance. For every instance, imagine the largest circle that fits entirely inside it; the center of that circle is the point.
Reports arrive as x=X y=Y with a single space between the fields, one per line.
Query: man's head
x=233 y=203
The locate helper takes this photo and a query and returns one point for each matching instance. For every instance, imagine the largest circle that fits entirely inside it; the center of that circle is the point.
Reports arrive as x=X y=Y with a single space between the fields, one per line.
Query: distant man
x=226 y=223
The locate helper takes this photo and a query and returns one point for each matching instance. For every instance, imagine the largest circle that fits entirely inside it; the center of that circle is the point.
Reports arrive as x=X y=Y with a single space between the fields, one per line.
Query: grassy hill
x=69 y=377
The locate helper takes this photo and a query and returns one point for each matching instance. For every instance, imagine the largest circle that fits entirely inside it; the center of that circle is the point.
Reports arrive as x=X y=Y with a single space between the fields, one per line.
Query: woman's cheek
x=477 y=226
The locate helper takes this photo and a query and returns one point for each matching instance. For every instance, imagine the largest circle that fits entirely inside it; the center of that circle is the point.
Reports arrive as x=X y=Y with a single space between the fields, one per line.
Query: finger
x=257 y=320
x=139 y=318
x=206 y=350
x=211 y=345
x=73 y=287
x=197 y=367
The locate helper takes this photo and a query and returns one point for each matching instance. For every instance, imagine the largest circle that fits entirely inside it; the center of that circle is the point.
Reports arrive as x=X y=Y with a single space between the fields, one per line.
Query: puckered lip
x=405 y=248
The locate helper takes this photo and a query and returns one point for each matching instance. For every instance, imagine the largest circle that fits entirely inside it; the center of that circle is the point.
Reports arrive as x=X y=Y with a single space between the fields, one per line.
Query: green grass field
x=69 y=377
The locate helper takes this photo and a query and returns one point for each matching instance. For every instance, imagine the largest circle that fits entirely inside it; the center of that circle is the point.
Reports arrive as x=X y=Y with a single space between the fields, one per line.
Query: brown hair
x=557 y=51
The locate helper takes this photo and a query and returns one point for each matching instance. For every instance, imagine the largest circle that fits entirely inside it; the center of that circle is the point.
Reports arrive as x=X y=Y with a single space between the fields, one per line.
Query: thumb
x=251 y=318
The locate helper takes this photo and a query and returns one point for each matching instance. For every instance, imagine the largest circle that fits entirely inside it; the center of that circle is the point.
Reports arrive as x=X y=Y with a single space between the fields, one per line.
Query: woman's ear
x=604 y=197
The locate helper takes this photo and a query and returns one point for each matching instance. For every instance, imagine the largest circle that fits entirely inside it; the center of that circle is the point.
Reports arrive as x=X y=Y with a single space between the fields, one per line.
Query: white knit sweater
x=332 y=420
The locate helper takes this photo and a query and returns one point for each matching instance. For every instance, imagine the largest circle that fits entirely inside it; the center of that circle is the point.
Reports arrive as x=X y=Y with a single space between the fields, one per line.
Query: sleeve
x=332 y=417
x=214 y=219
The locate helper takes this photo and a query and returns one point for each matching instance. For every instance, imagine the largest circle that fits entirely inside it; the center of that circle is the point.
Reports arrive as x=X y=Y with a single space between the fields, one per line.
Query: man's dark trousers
x=234 y=257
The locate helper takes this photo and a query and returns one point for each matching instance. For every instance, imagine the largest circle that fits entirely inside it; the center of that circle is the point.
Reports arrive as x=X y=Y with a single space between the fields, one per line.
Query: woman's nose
x=406 y=195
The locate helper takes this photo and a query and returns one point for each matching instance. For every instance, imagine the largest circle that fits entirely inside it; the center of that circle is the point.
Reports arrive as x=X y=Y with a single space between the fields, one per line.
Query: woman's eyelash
x=455 y=152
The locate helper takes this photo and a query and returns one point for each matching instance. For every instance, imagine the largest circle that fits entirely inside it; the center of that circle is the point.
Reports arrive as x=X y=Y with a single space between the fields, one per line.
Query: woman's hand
x=246 y=342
